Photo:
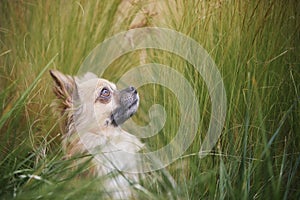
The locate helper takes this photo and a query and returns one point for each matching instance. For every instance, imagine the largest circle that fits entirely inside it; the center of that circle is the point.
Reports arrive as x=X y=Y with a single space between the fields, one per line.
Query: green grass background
x=255 y=44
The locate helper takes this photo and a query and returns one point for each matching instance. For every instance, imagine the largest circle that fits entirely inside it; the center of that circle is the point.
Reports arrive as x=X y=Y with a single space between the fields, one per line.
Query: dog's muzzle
x=128 y=105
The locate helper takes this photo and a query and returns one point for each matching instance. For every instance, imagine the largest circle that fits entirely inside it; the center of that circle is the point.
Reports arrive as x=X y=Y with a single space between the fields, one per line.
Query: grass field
x=255 y=45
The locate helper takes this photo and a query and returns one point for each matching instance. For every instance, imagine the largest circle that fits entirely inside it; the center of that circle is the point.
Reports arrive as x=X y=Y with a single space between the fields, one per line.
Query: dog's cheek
x=115 y=99
x=103 y=112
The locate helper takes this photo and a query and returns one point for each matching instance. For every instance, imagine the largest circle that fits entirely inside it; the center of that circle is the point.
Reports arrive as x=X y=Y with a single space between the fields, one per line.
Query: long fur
x=87 y=128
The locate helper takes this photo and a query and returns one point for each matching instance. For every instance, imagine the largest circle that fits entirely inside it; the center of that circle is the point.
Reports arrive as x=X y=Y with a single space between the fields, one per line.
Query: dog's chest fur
x=112 y=150
x=111 y=153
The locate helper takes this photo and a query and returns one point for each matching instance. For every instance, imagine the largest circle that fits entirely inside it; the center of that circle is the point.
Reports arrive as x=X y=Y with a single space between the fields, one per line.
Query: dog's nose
x=132 y=89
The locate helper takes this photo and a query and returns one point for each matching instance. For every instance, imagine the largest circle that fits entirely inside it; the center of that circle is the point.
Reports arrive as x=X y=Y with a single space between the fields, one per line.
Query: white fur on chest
x=118 y=150
x=113 y=152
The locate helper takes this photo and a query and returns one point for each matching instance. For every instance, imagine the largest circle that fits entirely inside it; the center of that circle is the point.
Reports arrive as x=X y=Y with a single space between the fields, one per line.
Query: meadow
x=255 y=45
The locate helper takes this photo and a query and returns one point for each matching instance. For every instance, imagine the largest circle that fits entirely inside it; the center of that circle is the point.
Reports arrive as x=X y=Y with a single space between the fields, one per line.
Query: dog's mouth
x=129 y=101
x=133 y=104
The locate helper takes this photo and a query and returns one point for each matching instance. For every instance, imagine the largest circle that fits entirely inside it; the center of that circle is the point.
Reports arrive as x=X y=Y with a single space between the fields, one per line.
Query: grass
x=256 y=46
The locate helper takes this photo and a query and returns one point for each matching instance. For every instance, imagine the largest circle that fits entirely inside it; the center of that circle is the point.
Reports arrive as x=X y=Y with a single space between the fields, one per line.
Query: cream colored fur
x=88 y=129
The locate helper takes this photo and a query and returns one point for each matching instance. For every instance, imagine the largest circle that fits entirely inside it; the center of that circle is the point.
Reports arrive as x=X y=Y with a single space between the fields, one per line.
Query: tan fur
x=88 y=128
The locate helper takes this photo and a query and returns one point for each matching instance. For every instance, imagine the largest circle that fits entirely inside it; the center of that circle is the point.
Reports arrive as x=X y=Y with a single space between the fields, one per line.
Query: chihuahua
x=93 y=110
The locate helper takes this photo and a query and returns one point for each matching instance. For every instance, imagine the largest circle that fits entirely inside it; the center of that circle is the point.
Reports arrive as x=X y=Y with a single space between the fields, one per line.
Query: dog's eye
x=105 y=93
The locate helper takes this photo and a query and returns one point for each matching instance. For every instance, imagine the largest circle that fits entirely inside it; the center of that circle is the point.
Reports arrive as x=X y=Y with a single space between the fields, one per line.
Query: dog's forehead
x=105 y=83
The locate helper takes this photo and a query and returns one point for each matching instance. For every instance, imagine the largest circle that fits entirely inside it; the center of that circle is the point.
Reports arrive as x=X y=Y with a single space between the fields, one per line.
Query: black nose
x=132 y=89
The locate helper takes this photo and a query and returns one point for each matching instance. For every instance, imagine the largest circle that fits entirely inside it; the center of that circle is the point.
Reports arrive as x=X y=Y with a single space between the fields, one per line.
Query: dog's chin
x=122 y=113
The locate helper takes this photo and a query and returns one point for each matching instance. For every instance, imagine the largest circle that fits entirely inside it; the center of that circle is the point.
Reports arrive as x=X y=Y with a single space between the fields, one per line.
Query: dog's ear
x=65 y=87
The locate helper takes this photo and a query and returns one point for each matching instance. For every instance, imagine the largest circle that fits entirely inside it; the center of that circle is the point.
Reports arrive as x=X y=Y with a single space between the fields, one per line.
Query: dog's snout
x=132 y=89
x=128 y=104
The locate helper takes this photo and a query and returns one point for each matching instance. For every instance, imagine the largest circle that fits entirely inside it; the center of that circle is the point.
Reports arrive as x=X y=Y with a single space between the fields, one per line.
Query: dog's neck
x=99 y=134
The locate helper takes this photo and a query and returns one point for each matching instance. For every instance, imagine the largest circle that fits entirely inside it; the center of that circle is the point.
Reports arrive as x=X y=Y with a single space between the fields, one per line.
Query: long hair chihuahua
x=93 y=109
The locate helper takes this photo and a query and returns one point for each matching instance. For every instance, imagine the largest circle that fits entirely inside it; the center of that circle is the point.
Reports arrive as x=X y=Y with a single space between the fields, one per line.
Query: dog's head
x=93 y=98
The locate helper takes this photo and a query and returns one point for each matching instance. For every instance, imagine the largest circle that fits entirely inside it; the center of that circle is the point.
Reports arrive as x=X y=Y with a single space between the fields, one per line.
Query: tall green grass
x=256 y=46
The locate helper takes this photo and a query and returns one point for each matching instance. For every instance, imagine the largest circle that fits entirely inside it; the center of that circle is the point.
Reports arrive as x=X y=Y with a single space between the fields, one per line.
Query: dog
x=93 y=110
